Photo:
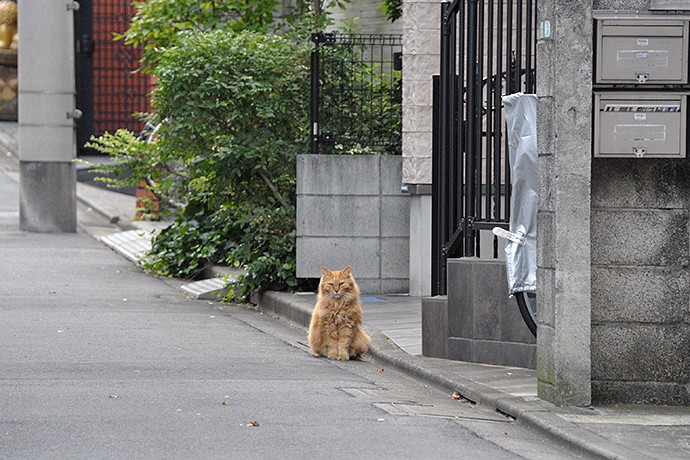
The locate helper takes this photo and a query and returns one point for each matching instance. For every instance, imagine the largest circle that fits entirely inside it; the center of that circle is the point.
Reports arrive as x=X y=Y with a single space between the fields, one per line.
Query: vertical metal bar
x=315 y=95
x=445 y=114
x=472 y=118
x=509 y=44
x=529 y=87
x=479 y=101
x=498 y=104
x=459 y=127
x=436 y=210
x=518 y=45
x=509 y=78
x=490 y=89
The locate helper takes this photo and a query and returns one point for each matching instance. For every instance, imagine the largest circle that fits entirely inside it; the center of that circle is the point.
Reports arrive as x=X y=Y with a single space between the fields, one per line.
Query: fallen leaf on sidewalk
x=225 y=403
x=113 y=396
x=254 y=423
x=380 y=370
x=458 y=397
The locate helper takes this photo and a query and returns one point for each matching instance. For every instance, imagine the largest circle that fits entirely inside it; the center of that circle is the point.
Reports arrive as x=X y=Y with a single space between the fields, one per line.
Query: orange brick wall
x=119 y=91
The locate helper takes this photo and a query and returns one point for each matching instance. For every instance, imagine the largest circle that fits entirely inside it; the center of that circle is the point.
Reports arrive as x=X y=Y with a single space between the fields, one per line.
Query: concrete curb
x=538 y=414
x=122 y=222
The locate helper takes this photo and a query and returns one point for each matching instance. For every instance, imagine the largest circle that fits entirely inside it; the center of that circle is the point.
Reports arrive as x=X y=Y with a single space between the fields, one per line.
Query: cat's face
x=336 y=283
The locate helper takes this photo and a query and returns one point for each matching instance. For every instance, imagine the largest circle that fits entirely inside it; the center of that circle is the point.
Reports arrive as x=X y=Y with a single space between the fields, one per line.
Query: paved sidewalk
x=394 y=322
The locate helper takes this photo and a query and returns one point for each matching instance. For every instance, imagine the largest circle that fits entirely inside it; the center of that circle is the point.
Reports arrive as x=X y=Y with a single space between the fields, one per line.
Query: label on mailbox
x=624 y=132
x=642 y=58
x=642 y=108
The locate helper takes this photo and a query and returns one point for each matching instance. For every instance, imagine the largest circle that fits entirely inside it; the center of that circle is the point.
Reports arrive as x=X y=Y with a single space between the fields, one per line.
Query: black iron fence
x=356 y=99
x=488 y=49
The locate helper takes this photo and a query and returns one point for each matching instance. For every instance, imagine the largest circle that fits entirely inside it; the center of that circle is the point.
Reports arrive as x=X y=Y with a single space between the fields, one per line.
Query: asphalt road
x=100 y=360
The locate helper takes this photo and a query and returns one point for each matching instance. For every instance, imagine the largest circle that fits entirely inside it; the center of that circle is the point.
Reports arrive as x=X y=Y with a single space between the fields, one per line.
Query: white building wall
x=367 y=18
x=421 y=58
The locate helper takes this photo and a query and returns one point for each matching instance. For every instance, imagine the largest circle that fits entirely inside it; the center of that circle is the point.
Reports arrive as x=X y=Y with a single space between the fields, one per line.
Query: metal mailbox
x=636 y=49
x=640 y=124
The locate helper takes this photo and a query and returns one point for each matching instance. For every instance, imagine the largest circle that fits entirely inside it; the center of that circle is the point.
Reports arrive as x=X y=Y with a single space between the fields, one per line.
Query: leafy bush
x=159 y=24
x=236 y=118
x=231 y=105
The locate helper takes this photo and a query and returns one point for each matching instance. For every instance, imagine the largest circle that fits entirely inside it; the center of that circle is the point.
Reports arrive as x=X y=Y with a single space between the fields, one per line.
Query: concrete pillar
x=564 y=57
x=47 y=143
x=421 y=50
x=420 y=240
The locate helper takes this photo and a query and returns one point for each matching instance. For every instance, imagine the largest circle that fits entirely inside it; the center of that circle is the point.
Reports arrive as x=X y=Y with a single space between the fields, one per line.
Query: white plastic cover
x=521 y=260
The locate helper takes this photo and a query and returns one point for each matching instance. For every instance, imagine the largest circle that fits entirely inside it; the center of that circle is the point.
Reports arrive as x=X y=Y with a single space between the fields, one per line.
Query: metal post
x=473 y=117
x=315 y=38
x=445 y=143
x=436 y=211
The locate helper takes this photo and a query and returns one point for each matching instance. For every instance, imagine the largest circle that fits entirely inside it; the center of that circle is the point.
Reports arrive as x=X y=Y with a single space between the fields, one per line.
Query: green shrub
x=236 y=118
x=232 y=109
x=159 y=24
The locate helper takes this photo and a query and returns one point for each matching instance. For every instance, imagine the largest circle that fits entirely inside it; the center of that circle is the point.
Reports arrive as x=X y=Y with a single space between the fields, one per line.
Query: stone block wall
x=477 y=321
x=640 y=253
x=421 y=60
x=640 y=281
x=351 y=211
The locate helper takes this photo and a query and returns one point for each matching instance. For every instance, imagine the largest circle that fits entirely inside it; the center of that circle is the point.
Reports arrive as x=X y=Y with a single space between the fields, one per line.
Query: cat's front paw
x=338 y=356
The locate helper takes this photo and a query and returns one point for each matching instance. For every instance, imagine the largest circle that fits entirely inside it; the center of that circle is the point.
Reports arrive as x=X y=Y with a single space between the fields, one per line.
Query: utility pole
x=47 y=144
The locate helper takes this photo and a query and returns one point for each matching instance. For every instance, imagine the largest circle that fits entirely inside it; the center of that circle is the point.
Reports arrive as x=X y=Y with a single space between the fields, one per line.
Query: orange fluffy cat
x=335 y=331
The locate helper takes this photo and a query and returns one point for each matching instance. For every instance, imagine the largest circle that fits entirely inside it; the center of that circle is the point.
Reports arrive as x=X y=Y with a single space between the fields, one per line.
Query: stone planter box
x=351 y=211
x=477 y=322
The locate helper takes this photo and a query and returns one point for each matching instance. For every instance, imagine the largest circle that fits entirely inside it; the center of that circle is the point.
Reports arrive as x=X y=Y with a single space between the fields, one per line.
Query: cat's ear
x=347 y=271
x=325 y=272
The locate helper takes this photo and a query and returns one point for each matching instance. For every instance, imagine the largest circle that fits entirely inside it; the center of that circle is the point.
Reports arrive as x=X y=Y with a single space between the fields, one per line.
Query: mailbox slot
x=640 y=124
x=637 y=49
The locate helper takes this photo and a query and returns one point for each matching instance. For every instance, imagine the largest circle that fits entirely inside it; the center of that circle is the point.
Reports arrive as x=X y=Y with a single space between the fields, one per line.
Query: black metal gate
x=488 y=49
x=356 y=93
x=83 y=63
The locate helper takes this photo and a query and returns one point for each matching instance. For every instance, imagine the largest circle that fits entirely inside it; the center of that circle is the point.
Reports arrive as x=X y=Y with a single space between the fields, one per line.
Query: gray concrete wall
x=477 y=321
x=640 y=253
x=640 y=281
x=351 y=211
x=564 y=56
